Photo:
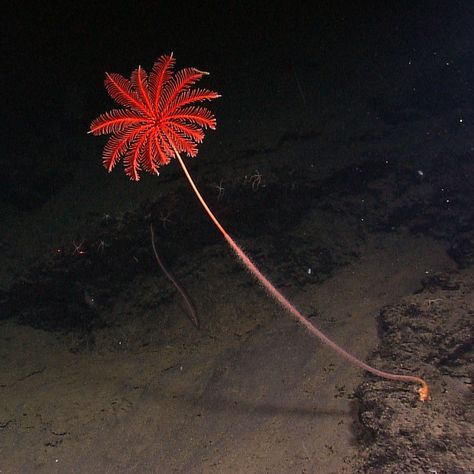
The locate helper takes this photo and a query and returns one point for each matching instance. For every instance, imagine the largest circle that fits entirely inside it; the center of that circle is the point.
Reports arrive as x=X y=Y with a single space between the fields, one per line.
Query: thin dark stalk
x=191 y=310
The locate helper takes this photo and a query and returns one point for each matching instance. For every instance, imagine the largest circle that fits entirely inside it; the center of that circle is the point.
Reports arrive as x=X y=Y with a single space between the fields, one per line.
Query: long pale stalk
x=274 y=293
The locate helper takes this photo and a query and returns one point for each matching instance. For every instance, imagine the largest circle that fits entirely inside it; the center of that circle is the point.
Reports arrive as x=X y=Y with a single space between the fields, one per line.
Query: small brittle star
x=165 y=219
x=220 y=189
x=255 y=180
x=432 y=302
x=78 y=250
x=106 y=218
x=100 y=246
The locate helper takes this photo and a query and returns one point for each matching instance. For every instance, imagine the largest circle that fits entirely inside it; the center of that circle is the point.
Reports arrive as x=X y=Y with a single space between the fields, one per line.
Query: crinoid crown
x=159 y=115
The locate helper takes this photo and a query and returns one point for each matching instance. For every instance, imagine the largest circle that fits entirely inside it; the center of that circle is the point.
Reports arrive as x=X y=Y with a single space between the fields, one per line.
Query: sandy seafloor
x=363 y=216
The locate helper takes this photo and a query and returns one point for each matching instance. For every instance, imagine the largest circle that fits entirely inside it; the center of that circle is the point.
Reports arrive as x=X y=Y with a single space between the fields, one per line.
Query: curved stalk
x=192 y=314
x=423 y=391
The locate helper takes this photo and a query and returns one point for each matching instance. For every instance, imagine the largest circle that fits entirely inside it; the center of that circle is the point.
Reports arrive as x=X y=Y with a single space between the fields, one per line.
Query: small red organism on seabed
x=159 y=121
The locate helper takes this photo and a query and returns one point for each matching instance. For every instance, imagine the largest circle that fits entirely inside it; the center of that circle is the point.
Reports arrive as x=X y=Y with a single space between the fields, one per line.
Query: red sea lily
x=159 y=119
x=158 y=123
